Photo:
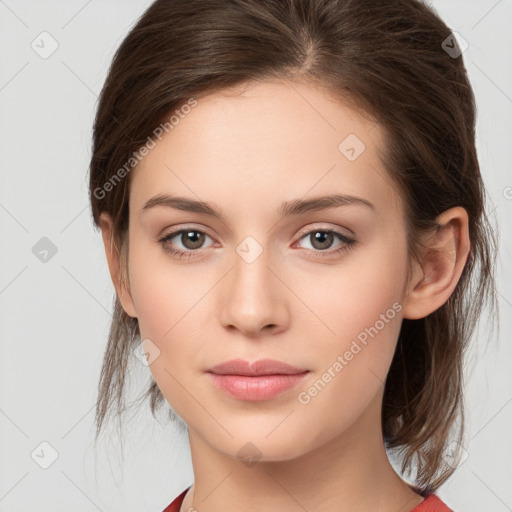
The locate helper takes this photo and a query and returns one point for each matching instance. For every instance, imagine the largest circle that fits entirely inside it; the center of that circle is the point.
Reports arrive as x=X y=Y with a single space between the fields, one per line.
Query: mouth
x=261 y=380
x=257 y=368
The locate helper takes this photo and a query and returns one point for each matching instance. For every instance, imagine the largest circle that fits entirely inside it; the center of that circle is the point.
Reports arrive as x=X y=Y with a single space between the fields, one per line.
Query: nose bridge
x=251 y=300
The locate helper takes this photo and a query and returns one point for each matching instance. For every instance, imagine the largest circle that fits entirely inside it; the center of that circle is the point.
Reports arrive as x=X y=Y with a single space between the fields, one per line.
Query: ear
x=442 y=262
x=114 y=265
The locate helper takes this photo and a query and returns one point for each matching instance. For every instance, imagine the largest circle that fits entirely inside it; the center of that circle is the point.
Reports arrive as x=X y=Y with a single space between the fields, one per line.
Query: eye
x=323 y=239
x=190 y=240
x=193 y=239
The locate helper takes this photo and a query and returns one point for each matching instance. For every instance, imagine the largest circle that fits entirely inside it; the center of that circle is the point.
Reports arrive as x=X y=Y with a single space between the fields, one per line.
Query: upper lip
x=261 y=367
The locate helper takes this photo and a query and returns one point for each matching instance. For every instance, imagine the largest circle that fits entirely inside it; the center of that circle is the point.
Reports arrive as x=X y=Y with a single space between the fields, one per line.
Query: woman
x=293 y=216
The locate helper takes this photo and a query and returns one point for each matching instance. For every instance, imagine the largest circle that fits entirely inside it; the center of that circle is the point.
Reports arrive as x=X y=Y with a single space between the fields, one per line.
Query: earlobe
x=442 y=262
x=114 y=265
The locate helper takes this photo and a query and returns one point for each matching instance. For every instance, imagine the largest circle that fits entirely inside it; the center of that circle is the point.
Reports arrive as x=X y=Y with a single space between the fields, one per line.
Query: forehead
x=272 y=140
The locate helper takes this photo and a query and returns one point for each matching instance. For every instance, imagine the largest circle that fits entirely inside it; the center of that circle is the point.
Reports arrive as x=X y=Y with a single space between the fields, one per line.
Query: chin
x=252 y=449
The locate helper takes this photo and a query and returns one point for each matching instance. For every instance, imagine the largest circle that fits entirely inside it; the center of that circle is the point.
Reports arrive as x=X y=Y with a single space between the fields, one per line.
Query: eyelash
x=348 y=243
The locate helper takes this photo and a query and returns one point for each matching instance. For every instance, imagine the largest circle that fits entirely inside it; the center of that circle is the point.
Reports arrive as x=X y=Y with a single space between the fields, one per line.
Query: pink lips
x=260 y=380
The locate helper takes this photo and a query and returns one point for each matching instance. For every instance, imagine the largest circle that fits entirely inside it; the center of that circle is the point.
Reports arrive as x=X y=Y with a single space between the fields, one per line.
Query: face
x=273 y=274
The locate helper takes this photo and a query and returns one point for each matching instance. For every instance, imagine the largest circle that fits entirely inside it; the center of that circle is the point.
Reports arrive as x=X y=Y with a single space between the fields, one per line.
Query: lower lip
x=256 y=388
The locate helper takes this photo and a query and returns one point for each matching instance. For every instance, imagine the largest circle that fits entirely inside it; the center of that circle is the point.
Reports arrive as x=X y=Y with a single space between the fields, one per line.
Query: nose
x=253 y=299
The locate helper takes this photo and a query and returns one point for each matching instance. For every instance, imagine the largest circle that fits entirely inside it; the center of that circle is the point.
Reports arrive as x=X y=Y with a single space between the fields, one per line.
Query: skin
x=245 y=151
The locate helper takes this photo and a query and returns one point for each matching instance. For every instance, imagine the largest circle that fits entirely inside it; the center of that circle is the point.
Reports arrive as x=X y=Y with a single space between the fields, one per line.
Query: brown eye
x=192 y=239
x=184 y=242
x=322 y=242
x=321 y=239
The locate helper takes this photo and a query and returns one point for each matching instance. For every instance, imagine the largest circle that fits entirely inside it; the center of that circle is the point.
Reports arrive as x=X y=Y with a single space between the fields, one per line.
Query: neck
x=348 y=472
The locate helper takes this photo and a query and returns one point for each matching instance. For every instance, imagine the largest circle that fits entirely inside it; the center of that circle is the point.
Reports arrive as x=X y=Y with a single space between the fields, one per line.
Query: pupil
x=193 y=239
x=323 y=239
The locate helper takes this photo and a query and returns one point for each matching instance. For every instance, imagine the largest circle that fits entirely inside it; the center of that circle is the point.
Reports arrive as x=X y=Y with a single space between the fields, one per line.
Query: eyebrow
x=288 y=208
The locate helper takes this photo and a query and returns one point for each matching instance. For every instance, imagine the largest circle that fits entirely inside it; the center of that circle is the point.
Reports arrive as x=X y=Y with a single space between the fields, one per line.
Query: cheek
x=169 y=306
x=363 y=309
x=350 y=297
x=359 y=317
x=164 y=292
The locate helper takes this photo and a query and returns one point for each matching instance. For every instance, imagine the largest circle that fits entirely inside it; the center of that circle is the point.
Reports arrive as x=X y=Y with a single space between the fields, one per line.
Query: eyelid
x=304 y=231
x=187 y=227
x=321 y=226
x=347 y=241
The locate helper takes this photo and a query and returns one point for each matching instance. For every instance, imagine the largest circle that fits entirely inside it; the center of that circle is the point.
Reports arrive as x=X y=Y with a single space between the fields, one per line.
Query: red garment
x=431 y=503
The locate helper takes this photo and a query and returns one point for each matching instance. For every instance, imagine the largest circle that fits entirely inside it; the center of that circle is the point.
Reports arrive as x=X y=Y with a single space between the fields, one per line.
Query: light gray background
x=55 y=314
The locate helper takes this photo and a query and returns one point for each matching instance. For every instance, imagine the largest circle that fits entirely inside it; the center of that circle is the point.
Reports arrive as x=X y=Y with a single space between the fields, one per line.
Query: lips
x=261 y=380
x=261 y=367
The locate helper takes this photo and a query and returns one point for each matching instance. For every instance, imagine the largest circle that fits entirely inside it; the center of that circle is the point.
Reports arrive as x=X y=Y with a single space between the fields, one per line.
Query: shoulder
x=176 y=504
x=432 y=503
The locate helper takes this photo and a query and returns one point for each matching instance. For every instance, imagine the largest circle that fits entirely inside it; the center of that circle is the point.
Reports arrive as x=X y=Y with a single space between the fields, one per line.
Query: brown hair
x=388 y=60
